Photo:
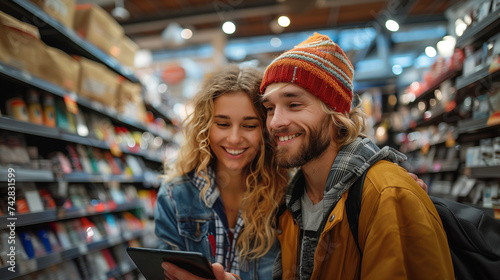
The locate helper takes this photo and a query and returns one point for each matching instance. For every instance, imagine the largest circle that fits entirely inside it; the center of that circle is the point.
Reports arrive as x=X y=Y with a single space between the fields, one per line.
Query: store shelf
x=28 y=128
x=480 y=30
x=13 y=74
x=472 y=126
x=88 y=178
x=479 y=76
x=29 y=219
x=55 y=258
x=57 y=133
x=159 y=111
x=10 y=73
x=485 y=172
x=27 y=175
x=450 y=74
x=437 y=166
x=56 y=35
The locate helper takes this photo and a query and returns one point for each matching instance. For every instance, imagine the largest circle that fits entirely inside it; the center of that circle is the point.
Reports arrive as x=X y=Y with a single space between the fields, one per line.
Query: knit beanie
x=319 y=66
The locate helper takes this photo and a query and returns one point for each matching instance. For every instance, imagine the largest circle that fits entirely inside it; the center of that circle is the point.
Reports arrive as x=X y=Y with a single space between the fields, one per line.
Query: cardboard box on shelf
x=20 y=44
x=59 y=68
x=127 y=51
x=97 y=82
x=129 y=101
x=61 y=10
x=94 y=24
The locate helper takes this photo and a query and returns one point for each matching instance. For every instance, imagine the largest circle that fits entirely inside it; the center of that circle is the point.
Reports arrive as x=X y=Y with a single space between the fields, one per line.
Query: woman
x=225 y=176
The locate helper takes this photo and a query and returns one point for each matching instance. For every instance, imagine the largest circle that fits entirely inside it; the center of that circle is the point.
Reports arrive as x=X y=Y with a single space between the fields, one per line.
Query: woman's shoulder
x=180 y=185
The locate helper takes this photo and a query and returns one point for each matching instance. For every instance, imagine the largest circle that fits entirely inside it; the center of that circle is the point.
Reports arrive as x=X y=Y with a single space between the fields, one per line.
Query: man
x=307 y=93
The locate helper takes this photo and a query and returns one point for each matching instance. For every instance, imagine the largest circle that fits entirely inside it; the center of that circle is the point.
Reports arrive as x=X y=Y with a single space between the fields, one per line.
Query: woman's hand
x=420 y=182
x=173 y=272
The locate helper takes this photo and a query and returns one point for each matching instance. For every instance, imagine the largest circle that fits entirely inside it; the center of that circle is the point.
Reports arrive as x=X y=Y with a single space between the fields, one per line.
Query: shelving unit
x=35 y=218
x=58 y=36
x=481 y=30
x=466 y=130
x=25 y=79
x=40 y=263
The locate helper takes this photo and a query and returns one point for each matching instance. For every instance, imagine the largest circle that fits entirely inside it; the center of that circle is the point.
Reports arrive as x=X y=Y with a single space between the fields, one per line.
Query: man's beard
x=314 y=146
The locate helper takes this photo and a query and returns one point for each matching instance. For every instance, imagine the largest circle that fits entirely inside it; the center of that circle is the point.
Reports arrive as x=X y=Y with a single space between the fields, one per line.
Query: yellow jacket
x=400 y=234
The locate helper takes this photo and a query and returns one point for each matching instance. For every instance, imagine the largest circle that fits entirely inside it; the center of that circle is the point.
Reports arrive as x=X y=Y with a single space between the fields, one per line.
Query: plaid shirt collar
x=223 y=254
x=351 y=162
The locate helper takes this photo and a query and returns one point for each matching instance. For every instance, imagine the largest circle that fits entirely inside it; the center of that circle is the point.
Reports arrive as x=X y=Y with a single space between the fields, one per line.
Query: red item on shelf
x=22 y=206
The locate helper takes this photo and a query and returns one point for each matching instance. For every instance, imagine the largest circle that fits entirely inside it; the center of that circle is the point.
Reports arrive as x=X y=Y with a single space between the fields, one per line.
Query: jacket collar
x=351 y=161
x=200 y=182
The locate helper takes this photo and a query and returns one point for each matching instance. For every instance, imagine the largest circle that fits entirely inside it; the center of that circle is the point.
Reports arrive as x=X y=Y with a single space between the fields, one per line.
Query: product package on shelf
x=61 y=10
x=59 y=68
x=94 y=24
x=129 y=101
x=17 y=109
x=20 y=44
x=97 y=82
x=13 y=149
x=495 y=54
x=128 y=49
x=35 y=113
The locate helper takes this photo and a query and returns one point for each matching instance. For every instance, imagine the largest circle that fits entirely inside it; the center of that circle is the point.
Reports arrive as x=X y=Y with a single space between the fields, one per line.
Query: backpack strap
x=353 y=206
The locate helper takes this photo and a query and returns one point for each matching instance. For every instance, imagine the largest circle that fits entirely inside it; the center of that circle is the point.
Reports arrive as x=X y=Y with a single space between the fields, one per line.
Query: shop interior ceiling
x=357 y=25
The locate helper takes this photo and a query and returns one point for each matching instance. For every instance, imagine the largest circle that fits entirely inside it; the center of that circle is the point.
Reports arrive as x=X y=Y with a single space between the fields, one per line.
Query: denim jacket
x=184 y=222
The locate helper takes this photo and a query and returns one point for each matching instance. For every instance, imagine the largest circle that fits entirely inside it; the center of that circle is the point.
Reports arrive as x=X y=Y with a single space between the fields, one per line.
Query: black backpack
x=473 y=236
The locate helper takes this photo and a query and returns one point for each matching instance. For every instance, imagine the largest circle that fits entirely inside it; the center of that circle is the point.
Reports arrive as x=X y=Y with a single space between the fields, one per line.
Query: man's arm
x=403 y=235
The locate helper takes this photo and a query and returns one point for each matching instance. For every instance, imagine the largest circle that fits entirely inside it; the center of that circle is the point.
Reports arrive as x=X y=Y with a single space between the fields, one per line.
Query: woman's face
x=235 y=134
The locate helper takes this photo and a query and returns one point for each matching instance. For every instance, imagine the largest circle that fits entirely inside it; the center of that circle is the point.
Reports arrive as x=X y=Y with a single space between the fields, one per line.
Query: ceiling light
x=172 y=34
x=283 y=21
x=186 y=33
x=119 y=12
x=397 y=69
x=275 y=42
x=392 y=25
x=430 y=51
x=228 y=27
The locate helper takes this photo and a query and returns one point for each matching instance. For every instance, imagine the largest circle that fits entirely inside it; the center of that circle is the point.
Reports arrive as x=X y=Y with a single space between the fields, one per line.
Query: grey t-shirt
x=312 y=214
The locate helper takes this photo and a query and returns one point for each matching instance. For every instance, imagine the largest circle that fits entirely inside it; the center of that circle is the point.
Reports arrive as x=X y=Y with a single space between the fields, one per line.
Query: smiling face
x=236 y=132
x=298 y=123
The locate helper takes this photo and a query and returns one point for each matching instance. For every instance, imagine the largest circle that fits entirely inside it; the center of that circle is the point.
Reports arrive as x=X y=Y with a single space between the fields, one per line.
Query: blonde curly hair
x=266 y=182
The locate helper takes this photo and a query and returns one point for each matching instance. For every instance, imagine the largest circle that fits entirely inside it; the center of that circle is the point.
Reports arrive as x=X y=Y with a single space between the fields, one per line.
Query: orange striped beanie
x=319 y=66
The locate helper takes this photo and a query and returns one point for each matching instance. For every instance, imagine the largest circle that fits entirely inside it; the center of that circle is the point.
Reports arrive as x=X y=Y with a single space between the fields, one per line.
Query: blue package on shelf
x=27 y=244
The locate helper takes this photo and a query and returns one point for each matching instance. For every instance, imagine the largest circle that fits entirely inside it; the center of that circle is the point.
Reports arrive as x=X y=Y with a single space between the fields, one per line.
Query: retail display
x=81 y=148
x=451 y=117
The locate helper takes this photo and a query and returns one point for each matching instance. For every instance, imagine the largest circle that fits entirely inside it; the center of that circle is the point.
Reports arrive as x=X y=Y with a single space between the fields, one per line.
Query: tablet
x=149 y=262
